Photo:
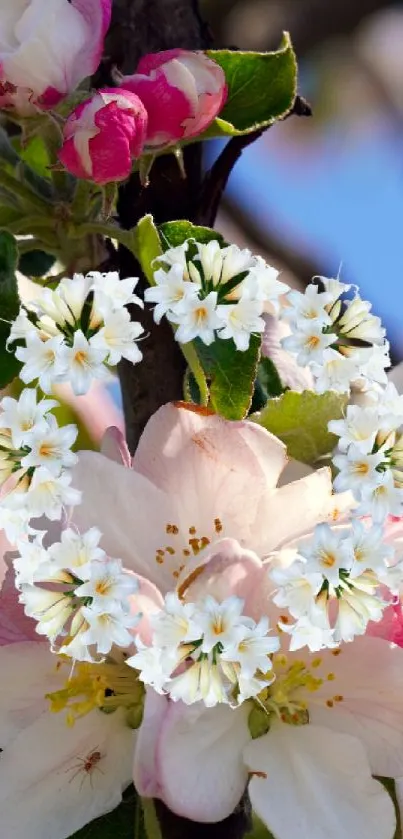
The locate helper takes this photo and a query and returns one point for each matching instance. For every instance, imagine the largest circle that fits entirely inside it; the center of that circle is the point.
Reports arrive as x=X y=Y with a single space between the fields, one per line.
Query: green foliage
x=300 y=421
x=35 y=154
x=35 y=263
x=269 y=378
x=261 y=88
x=9 y=305
x=389 y=785
x=174 y=233
x=258 y=722
x=259 y=830
x=147 y=246
x=230 y=375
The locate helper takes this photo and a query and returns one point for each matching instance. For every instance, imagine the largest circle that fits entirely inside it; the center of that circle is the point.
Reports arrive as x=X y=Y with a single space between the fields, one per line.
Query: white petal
x=318 y=786
x=45 y=792
x=200 y=768
x=29 y=672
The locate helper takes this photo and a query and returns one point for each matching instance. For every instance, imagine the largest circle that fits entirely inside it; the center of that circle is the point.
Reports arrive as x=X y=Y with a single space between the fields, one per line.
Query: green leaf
x=389 y=785
x=261 y=88
x=300 y=420
x=259 y=830
x=35 y=154
x=9 y=306
x=269 y=378
x=230 y=374
x=258 y=722
x=35 y=263
x=119 y=824
x=174 y=233
x=148 y=246
x=8 y=215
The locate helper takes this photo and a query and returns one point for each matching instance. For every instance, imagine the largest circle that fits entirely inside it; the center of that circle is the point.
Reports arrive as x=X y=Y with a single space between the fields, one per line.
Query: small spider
x=87 y=765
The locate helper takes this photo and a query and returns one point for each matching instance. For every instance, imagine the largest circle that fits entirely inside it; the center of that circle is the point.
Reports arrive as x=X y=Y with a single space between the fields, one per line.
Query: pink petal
x=148 y=600
x=97 y=14
x=145 y=770
x=217 y=470
x=167 y=107
x=199 y=760
x=114 y=446
x=95 y=408
x=14 y=624
x=131 y=513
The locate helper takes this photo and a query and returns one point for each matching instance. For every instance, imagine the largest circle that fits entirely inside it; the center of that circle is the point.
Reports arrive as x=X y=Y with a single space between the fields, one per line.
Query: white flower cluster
x=207 y=651
x=79 y=596
x=208 y=292
x=35 y=455
x=369 y=459
x=335 y=584
x=341 y=342
x=72 y=332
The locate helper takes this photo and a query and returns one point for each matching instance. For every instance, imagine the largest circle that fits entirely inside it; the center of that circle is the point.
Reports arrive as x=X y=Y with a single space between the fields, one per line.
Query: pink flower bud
x=103 y=135
x=47 y=48
x=182 y=91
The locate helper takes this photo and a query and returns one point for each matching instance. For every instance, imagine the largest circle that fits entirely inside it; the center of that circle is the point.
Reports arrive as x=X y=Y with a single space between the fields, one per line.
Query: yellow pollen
x=313 y=341
x=338 y=697
x=316 y=662
x=329 y=703
x=46 y=450
x=218 y=627
x=175 y=574
x=172 y=528
x=257 y=774
x=330 y=677
x=186 y=552
x=201 y=313
x=327 y=559
x=108 y=686
x=50 y=355
x=335 y=514
x=204 y=541
x=170 y=550
x=218 y=525
x=192 y=530
x=102 y=586
x=336 y=652
x=81 y=357
x=159 y=559
x=361 y=468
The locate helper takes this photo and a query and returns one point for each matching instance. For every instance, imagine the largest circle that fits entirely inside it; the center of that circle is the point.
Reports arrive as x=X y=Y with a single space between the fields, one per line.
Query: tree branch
x=217 y=178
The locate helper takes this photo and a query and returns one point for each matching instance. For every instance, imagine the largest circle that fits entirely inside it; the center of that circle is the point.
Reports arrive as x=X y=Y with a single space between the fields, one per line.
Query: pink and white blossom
x=182 y=92
x=46 y=51
x=103 y=135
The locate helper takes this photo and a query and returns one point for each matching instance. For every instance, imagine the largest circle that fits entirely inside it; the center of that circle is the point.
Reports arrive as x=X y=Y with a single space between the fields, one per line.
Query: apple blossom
x=211 y=292
x=103 y=135
x=182 y=92
x=76 y=330
x=47 y=51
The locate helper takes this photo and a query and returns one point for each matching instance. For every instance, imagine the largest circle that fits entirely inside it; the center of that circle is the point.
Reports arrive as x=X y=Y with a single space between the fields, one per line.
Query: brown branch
x=217 y=178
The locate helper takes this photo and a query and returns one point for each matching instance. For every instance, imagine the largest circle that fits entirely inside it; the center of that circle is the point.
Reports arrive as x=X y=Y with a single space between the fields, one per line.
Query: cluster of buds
x=78 y=595
x=206 y=652
x=334 y=583
x=35 y=456
x=369 y=458
x=341 y=342
x=73 y=333
x=174 y=95
x=208 y=292
x=44 y=55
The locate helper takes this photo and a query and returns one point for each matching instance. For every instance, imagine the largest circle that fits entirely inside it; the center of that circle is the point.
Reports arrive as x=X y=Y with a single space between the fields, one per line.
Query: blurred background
x=325 y=194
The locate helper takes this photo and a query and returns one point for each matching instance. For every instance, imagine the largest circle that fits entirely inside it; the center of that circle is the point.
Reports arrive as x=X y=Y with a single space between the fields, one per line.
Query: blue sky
x=342 y=202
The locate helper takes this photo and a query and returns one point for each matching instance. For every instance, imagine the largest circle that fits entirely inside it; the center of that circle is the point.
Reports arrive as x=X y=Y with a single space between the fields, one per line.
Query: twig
x=216 y=179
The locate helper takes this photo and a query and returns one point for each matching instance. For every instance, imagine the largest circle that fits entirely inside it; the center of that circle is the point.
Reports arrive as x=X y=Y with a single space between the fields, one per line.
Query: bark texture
x=139 y=27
